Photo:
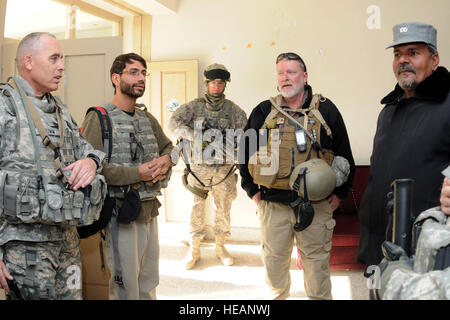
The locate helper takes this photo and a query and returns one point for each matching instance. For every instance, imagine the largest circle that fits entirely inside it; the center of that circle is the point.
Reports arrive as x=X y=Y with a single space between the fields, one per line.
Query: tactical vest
x=271 y=166
x=221 y=119
x=134 y=143
x=30 y=191
x=210 y=119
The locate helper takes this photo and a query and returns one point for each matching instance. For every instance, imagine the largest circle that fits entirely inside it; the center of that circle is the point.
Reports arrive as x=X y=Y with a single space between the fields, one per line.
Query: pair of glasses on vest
x=136 y=147
x=291 y=56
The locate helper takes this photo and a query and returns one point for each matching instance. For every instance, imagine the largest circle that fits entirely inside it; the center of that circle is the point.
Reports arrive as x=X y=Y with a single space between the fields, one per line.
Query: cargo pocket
x=27 y=202
x=328 y=234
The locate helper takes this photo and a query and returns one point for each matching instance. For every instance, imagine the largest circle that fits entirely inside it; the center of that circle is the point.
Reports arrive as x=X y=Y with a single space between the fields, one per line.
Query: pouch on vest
x=263 y=166
x=131 y=207
x=272 y=166
x=27 y=203
x=94 y=194
x=54 y=202
x=102 y=222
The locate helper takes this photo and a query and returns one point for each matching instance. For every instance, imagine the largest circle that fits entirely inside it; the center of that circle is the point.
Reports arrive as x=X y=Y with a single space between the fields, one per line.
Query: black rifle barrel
x=402 y=213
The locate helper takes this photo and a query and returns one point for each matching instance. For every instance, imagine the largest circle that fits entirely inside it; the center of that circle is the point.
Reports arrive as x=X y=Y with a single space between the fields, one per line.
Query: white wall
x=346 y=61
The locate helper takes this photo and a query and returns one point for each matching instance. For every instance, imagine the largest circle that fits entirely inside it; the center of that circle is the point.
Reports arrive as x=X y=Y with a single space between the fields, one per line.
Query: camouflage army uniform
x=224 y=193
x=401 y=281
x=43 y=258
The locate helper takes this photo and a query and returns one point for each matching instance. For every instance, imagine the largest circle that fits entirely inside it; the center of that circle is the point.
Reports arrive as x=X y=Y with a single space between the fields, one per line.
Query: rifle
x=402 y=220
x=400 y=227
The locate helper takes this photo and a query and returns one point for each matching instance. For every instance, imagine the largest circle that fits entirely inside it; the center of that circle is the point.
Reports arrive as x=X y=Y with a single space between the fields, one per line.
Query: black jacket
x=340 y=145
x=412 y=140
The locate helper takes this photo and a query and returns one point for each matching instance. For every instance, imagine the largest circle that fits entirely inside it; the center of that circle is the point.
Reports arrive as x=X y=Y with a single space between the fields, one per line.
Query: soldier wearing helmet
x=214 y=115
x=297 y=177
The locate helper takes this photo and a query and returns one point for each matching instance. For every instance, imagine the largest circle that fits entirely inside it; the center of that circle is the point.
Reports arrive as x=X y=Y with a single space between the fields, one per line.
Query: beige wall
x=347 y=62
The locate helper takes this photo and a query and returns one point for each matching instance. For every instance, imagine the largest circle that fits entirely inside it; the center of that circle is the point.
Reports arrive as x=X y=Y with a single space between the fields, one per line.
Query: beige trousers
x=223 y=194
x=277 y=236
x=139 y=260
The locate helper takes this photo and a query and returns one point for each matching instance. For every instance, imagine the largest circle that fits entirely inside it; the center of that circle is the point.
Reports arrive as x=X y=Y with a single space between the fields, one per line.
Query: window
x=25 y=16
x=90 y=26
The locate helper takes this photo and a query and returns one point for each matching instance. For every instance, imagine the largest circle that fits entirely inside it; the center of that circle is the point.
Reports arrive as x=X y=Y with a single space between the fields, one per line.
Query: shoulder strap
x=270 y=116
x=105 y=123
x=314 y=109
x=35 y=120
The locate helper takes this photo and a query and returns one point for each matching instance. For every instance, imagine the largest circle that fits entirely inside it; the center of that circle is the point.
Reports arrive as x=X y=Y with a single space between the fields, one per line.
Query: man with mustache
x=282 y=212
x=43 y=179
x=139 y=166
x=412 y=137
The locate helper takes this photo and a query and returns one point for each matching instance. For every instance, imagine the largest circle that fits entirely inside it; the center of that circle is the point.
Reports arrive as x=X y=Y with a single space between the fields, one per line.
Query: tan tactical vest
x=271 y=166
x=221 y=119
x=134 y=143
x=26 y=196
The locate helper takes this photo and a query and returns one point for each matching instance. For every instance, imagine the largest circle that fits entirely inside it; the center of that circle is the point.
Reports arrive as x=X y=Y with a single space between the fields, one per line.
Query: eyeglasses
x=291 y=56
x=136 y=72
x=217 y=83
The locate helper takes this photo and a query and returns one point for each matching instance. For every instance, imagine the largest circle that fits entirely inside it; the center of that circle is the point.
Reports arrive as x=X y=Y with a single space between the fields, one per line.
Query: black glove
x=395 y=257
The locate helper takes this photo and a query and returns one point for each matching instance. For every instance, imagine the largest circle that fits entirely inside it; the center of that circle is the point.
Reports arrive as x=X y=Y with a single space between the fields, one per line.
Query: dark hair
x=120 y=63
x=291 y=56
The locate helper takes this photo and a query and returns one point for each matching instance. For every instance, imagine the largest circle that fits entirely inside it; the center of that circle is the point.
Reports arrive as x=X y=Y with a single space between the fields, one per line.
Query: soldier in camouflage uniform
x=40 y=204
x=426 y=275
x=212 y=111
x=140 y=160
x=418 y=277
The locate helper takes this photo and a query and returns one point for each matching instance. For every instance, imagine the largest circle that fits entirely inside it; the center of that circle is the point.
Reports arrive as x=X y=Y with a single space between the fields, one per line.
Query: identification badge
x=300 y=139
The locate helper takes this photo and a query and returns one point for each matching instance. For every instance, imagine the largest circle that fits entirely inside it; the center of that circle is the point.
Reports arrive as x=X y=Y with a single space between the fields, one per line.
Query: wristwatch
x=97 y=161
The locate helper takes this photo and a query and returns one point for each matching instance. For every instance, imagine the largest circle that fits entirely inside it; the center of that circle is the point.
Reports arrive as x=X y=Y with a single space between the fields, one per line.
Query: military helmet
x=216 y=71
x=320 y=179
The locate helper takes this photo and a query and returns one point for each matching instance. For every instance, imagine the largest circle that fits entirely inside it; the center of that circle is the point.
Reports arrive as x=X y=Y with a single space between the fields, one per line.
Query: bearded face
x=132 y=89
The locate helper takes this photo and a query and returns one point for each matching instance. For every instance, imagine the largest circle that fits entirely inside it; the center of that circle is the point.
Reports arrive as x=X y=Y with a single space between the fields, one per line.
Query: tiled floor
x=209 y=280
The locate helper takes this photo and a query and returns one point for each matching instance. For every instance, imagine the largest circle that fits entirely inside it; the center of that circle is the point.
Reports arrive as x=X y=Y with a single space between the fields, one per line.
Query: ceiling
x=127 y=7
